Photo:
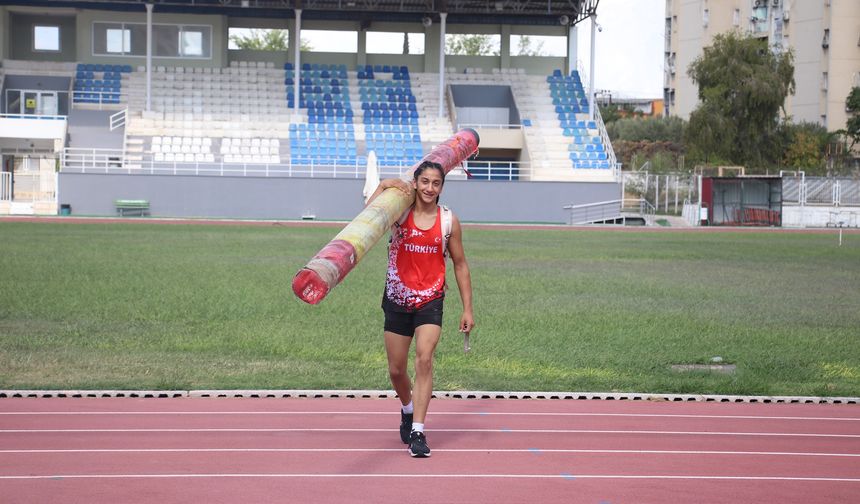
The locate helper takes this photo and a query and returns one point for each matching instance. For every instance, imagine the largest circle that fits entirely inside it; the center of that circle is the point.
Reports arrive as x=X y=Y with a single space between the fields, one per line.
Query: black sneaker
x=405 y=426
x=418 y=445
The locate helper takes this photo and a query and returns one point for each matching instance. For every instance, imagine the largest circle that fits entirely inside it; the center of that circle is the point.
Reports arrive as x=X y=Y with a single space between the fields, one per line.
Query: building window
x=478 y=44
x=538 y=45
x=336 y=41
x=824 y=81
x=263 y=39
x=46 y=38
x=192 y=43
x=825 y=42
x=118 y=40
x=168 y=41
x=736 y=17
x=705 y=17
x=394 y=43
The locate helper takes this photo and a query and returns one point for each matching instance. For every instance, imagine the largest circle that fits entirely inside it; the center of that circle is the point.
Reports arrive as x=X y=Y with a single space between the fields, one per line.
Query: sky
x=628 y=49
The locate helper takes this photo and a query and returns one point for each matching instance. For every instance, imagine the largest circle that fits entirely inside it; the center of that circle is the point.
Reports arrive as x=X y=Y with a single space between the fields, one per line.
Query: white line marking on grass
x=453 y=413
x=423 y=475
x=448 y=450
x=506 y=431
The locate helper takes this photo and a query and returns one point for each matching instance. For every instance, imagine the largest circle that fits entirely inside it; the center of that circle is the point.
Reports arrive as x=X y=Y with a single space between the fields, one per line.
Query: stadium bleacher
x=246 y=113
x=324 y=95
x=98 y=83
x=571 y=107
x=389 y=114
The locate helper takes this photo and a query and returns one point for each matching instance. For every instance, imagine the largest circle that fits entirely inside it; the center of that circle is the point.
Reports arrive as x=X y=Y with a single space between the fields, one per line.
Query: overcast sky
x=629 y=50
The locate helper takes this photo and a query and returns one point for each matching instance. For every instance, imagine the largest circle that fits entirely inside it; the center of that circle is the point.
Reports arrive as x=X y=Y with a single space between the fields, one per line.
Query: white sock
x=417 y=427
x=408 y=409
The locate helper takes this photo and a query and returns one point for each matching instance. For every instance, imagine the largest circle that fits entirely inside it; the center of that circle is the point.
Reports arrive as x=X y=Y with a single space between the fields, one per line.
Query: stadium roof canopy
x=515 y=12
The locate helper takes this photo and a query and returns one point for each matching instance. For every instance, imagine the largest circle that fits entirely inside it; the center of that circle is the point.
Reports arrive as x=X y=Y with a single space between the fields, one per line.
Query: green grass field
x=147 y=306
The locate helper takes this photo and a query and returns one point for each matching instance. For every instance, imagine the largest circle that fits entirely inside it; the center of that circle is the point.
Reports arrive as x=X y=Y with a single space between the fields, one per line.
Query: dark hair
x=427 y=165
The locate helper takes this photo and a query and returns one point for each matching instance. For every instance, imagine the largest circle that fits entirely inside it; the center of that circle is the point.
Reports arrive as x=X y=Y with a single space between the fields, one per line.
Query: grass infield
x=147 y=306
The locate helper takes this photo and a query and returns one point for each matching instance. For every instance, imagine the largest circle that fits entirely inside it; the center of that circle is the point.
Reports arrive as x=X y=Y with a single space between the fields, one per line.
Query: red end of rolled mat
x=309 y=287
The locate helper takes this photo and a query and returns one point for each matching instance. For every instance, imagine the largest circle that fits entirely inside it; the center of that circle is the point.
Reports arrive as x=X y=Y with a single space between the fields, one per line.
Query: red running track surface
x=501 y=451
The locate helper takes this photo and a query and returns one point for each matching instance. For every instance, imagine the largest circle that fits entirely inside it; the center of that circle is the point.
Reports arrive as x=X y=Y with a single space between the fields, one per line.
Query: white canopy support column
x=297 y=51
x=149 y=7
x=591 y=69
x=572 y=50
x=443 y=16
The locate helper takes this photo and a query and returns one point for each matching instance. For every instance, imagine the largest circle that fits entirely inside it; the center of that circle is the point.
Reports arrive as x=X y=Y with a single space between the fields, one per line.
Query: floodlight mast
x=591 y=69
x=149 y=7
x=297 y=52
x=443 y=16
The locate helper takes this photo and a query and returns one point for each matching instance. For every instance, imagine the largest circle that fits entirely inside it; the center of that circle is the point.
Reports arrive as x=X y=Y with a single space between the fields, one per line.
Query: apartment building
x=824 y=34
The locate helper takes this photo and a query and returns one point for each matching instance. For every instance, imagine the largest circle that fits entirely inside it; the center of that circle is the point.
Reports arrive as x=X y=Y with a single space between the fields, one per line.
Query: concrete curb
x=386 y=394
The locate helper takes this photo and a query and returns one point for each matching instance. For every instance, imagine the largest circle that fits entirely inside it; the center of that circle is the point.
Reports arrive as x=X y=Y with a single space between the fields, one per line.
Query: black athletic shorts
x=404 y=323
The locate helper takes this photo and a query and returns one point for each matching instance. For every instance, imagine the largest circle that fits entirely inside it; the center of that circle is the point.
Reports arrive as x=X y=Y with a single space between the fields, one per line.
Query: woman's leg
x=397 y=349
x=426 y=339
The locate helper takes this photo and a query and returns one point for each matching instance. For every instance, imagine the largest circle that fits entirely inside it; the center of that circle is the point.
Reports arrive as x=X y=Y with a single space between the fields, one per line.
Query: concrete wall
x=79 y=27
x=843 y=60
x=806 y=29
x=21 y=37
x=485 y=104
x=37 y=82
x=86 y=18
x=796 y=216
x=327 y=199
x=4 y=33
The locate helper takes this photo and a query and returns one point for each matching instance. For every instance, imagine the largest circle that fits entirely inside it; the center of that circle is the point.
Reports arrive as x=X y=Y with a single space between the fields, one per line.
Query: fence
x=618 y=211
x=115 y=161
x=28 y=186
x=821 y=191
x=119 y=119
x=665 y=192
x=5 y=186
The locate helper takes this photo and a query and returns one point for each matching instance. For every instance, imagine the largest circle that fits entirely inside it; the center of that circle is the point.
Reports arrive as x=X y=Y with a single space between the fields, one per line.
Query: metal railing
x=619 y=211
x=29 y=186
x=691 y=213
x=821 y=191
x=100 y=98
x=118 y=120
x=5 y=186
x=77 y=160
x=34 y=116
x=489 y=126
x=607 y=144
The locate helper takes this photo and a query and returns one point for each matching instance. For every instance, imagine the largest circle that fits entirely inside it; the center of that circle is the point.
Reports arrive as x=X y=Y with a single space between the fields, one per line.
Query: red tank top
x=416 y=264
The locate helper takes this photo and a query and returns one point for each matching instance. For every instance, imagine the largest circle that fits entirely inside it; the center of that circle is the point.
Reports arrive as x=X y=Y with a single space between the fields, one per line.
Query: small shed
x=743 y=201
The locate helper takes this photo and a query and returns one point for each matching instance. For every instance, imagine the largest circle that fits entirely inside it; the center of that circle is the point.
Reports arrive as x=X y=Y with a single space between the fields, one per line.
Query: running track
x=110 y=450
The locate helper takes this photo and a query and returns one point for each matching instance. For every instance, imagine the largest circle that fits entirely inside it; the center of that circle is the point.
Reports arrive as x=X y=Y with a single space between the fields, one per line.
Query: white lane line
x=423 y=475
x=505 y=431
x=453 y=413
x=448 y=450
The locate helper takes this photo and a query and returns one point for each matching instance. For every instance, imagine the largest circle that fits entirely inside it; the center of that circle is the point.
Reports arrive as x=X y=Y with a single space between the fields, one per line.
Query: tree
x=267 y=40
x=650 y=129
x=852 y=106
x=805 y=147
x=526 y=49
x=613 y=112
x=471 y=45
x=742 y=88
x=654 y=139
